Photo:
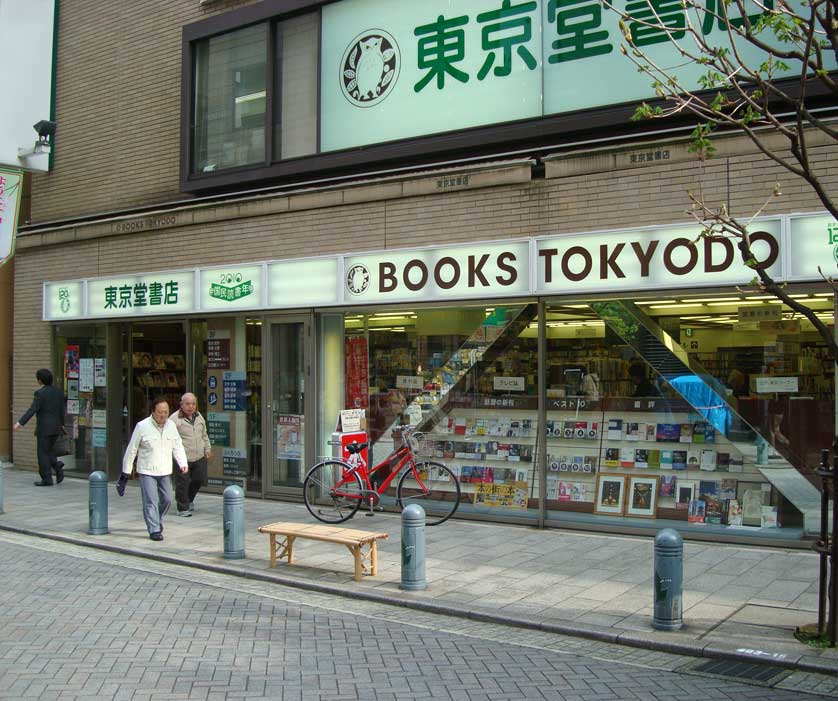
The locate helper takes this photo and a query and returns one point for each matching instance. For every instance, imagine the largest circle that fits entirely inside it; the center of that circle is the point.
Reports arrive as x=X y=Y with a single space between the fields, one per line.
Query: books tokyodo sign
x=656 y=258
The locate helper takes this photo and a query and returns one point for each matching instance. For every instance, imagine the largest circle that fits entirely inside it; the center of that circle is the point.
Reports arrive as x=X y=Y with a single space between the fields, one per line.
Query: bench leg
x=289 y=547
x=273 y=550
x=374 y=557
x=359 y=567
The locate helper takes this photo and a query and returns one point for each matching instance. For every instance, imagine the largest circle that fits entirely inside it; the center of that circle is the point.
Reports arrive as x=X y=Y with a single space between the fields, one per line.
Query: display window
x=467 y=378
x=703 y=411
x=81 y=372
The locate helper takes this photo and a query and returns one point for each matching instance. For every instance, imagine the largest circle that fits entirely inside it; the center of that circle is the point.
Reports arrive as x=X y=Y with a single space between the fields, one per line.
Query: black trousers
x=188 y=483
x=46 y=457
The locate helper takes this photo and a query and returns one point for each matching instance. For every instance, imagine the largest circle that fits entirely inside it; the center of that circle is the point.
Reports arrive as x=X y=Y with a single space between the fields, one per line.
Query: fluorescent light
x=738 y=303
x=824 y=294
x=712 y=299
x=657 y=301
x=390 y=315
x=673 y=306
x=578 y=306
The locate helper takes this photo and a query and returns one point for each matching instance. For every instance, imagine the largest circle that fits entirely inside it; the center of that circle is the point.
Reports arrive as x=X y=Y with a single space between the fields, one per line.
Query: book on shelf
x=632 y=431
x=650 y=432
x=709 y=433
x=679 y=459
x=736 y=464
x=708 y=460
x=666 y=486
x=667 y=433
x=666 y=459
x=626 y=457
x=641 y=458
x=686 y=433
x=698 y=432
x=615 y=429
x=727 y=489
x=581 y=430
x=696 y=511
x=612 y=457
x=709 y=488
x=693 y=459
x=768 y=517
x=733 y=512
x=653 y=458
x=589 y=464
x=593 y=430
x=723 y=462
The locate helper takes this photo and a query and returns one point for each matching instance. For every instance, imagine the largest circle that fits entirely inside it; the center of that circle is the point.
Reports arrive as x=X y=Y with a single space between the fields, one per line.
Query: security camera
x=45 y=130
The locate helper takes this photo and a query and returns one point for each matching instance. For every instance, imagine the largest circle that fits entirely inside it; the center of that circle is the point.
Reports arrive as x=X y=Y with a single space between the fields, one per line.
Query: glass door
x=288 y=371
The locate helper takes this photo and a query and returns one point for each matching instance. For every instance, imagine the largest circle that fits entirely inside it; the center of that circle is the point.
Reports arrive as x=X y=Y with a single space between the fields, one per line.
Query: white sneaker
x=185 y=514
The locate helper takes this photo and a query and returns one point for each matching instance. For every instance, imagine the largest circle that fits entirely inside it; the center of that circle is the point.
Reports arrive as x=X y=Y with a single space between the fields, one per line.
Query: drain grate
x=761 y=673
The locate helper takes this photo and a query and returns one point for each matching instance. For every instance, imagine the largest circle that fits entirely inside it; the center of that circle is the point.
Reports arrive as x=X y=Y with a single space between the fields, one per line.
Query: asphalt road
x=77 y=623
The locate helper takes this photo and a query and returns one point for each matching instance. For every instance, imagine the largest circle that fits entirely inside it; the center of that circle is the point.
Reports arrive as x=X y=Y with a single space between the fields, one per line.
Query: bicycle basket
x=421 y=445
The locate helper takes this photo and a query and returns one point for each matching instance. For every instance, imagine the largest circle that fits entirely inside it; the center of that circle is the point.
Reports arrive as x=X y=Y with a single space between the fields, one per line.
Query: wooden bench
x=352 y=539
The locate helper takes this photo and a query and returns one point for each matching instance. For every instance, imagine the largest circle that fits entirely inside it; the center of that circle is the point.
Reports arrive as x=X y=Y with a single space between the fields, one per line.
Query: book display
x=649 y=458
x=156 y=373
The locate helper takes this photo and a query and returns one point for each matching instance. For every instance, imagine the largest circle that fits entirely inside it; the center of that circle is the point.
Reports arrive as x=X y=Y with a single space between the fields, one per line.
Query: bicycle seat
x=354 y=448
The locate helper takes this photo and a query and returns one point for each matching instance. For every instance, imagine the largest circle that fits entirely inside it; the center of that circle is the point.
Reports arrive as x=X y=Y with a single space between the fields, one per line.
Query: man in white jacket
x=154 y=443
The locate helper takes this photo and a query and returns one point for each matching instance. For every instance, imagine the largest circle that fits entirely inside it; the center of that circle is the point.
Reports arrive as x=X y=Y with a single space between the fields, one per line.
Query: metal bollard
x=1 y=488
x=668 y=580
x=233 y=523
x=98 y=503
x=413 y=548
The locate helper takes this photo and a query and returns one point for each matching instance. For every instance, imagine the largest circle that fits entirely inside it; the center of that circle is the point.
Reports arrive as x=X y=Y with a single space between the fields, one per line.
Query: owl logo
x=370 y=68
x=358 y=279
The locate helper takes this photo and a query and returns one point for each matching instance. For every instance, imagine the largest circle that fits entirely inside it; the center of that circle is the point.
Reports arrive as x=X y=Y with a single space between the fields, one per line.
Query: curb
x=635 y=639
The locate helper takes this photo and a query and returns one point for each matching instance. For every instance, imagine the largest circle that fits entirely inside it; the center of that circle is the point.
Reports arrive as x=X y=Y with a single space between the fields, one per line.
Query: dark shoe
x=41 y=483
x=156 y=536
x=59 y=472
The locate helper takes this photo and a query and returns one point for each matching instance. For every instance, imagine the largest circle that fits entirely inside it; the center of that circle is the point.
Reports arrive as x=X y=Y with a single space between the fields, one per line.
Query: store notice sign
x=218 y=428
x=303 y=283
x=459 y=272
x=813 y=247
x=139 y=295
x=410 y=381
x=766 y=385
x=231 y=287
x=651 y=259
x=772 y=312
x=510 y=384
x=63 y=300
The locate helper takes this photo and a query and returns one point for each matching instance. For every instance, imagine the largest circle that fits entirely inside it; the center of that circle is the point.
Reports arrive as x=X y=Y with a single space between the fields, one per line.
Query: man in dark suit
x=49 y=408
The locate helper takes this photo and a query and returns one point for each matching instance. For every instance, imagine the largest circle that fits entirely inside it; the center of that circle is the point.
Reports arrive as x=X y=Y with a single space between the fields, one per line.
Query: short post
x=668 y=580
x=1 y=487
x=233 y=523
x=98 y=503
x=413 y=548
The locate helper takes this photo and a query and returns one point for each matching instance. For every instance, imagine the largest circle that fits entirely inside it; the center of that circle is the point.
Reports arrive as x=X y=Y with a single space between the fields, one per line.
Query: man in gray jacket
x=193 y=432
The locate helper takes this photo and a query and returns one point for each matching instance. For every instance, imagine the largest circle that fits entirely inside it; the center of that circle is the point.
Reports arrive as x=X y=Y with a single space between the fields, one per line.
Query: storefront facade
x=549 y=318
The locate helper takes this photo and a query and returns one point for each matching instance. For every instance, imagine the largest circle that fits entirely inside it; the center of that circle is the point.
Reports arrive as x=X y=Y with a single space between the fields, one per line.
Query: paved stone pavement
x=77 y=623
x=738 y=601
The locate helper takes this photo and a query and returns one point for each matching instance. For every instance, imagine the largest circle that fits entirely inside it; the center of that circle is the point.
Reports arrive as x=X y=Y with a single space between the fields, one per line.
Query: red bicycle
x=335 y=489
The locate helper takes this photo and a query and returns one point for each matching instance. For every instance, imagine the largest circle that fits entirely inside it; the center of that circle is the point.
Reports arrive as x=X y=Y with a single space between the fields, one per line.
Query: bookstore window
x=80 y=371
x=675 y=409
x=467 y=378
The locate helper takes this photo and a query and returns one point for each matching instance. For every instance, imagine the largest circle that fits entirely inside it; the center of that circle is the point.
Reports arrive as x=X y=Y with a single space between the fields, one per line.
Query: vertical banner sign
x=11 y=183
x=356 y=373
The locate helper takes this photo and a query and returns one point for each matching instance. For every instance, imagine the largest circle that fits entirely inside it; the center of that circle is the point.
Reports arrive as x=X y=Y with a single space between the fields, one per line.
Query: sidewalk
x=739 y=602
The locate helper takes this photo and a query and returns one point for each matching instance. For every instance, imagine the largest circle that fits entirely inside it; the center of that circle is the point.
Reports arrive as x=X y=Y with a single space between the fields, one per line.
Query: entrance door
x=288 y=372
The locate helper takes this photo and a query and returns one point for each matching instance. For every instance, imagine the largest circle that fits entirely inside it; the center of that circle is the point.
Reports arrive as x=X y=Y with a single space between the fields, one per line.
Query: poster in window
x=71 y=362
x=85 y=374
x=99 y=372
x=356 y=373
x=289 y=437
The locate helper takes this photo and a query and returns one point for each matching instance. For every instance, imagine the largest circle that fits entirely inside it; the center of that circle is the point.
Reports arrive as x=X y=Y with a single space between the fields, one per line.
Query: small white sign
x=766 y=385
x=352 y=420
x=410 y=381
x=510 y=384
x=100 y=418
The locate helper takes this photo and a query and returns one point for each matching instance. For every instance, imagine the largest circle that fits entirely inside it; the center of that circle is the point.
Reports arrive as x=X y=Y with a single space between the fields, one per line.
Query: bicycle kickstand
x=371 y=512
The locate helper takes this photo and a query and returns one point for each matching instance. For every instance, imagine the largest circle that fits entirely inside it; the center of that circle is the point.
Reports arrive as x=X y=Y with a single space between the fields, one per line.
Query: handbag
x=61 y=445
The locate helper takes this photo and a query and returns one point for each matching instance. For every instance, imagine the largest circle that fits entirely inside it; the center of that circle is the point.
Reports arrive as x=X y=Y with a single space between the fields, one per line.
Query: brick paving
x=82 y=624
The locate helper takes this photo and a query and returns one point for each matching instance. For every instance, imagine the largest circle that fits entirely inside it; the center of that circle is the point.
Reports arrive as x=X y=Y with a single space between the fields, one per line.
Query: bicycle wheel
x=330 y=494
x=437 y=491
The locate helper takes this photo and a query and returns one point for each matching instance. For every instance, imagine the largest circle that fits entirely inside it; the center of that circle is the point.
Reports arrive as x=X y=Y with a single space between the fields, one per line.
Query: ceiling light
x=673 y=306
x=738 y=303
x=712 y=299
x=657 y=301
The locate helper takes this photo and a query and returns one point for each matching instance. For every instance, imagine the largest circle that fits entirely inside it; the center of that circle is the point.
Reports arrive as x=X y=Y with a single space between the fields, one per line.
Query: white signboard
x=813 y=244
x=766 y=385
x=85 y=374
x=410 y=381
x=231 y=287
x=651 y=259
x=303 y=283
x=352 y=420
x=139 y=295
x=510 y=384
x=476 y=271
